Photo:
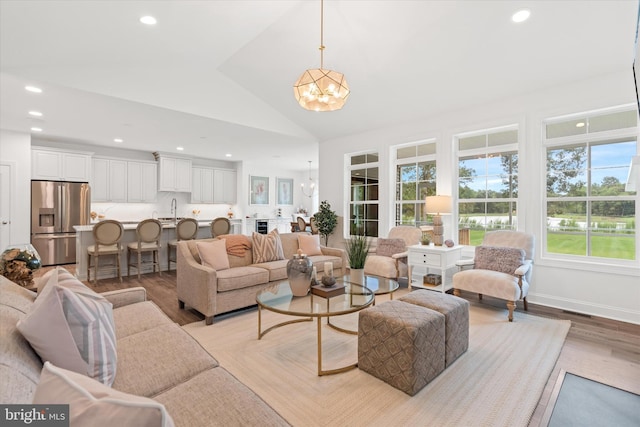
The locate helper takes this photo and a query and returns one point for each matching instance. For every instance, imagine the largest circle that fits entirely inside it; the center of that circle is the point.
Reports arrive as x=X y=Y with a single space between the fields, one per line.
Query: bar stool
x=107 y=235
x=220 y=226
x=148 y=234
x=186 y=229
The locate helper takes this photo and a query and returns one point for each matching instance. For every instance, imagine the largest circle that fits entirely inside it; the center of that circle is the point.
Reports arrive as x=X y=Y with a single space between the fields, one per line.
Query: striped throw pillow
x=72 y=327
x=267 y=247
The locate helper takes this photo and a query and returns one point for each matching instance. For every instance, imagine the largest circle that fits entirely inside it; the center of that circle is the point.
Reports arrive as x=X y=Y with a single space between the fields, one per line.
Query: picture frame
x=258 y=190
x=284 y=190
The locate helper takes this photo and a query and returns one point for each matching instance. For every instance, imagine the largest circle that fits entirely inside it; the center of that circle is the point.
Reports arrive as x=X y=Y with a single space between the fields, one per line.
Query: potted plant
x=425 y=240
x=326 y=221
x=357 y=250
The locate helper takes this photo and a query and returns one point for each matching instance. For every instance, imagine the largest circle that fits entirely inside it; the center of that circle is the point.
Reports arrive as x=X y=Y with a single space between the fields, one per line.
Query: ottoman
x=402 y=344
x=456 y=315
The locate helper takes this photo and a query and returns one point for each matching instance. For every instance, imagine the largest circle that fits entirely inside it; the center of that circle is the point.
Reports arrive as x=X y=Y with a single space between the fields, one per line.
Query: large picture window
x=487 y=182
x=415 y=179
x=589 y=213
x=363 y=203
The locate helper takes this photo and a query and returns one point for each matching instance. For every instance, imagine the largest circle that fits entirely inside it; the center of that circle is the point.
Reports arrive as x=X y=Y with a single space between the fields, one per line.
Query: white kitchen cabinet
x=224 y=186
x=202 y=185
x=142 y=182
x=109 y=181
x=174 y=174
x=55 y=165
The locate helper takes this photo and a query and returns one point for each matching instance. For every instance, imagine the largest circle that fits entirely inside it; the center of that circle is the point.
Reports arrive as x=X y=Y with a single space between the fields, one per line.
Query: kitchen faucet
x=174 y=210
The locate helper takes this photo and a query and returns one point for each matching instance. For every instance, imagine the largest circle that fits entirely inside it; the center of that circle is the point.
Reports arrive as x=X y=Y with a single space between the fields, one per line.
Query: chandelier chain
x=321 y=34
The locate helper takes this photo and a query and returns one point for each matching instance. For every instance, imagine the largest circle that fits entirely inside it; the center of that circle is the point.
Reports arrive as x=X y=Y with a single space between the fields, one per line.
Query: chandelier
x=312 y=185
x=319 y=89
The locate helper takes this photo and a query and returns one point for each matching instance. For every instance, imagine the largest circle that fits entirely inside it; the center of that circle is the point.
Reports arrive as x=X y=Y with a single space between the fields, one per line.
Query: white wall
x=15 y=149
x=601 y=290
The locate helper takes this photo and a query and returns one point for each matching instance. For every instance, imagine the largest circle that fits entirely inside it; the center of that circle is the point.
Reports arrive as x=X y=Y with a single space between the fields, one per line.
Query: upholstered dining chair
x=501 y=268
x=107 y=235
x=148 y=233
x=186 y=229
x=389 y=258
x=302 y=224
x=220 y=226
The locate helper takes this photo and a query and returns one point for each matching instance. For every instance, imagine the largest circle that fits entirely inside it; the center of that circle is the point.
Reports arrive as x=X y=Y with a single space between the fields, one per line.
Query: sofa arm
x=124 y=297
x=196 y=284
x=340 y=253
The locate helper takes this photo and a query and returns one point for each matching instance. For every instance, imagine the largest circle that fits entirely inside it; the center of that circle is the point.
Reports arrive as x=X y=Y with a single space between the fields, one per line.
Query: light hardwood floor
x=601 y=349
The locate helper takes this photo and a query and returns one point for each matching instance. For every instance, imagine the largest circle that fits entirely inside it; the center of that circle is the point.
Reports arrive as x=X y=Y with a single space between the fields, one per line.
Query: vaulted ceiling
x=215 y=77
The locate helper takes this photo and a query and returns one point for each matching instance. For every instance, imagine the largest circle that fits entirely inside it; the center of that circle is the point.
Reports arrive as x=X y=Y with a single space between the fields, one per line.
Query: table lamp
x=437 y=205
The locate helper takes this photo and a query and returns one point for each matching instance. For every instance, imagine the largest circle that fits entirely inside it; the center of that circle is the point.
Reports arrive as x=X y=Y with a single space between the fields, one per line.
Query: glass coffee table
x=279 y=299
x=379 y=285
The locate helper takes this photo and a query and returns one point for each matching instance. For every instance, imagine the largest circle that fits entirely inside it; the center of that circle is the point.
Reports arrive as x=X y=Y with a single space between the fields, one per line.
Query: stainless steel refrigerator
x=55 y=208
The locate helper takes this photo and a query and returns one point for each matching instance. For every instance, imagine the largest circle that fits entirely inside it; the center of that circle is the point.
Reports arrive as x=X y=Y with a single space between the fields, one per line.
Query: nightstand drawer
x=428 y=259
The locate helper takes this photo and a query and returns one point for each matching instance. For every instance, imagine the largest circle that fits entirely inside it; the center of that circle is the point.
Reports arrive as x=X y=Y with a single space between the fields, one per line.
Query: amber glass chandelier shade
x=321 y=90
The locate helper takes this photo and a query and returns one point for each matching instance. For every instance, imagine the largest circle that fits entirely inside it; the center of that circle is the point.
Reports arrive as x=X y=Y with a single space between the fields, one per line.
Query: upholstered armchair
x=501 y=268
x=389 y=257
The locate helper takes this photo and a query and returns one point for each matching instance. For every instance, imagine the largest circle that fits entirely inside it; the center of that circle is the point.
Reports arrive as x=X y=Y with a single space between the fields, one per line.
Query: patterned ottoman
x=401 y=344
x=456 y=315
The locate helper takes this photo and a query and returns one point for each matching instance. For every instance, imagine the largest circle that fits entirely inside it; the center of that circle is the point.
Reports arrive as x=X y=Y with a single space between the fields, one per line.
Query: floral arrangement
x=195 y=212
x=18 y=264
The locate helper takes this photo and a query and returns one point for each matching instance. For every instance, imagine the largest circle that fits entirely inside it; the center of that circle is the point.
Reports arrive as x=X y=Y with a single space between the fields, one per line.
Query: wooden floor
x=601 y=349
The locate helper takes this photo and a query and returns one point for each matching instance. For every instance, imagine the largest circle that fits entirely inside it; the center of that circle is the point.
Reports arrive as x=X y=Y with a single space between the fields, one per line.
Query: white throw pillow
x=310 y=244
x=214 y=254
x=72 y=326
x=94 y=404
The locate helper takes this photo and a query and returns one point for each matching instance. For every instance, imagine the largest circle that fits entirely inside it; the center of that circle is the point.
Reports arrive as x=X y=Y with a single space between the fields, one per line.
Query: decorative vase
x=356 y=275
x=299 y=269
x=18 y=262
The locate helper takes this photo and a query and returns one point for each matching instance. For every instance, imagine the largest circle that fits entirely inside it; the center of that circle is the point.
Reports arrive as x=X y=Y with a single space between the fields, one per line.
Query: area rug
x=497 y=382
x=580 y=401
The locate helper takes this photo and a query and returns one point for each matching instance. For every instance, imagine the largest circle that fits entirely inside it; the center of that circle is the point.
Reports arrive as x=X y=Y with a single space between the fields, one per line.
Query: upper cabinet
x=109 y=182
x=224 y=186
x=55 y=165
x=202 y=185
x=142 y=182
x=174 y=174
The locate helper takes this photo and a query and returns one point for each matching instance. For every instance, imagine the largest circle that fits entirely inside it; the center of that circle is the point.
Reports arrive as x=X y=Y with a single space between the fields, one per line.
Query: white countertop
x=131 y=225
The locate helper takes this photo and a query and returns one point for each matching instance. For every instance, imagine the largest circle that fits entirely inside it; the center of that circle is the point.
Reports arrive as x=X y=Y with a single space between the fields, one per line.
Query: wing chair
x=389 y=257
x=502 y=268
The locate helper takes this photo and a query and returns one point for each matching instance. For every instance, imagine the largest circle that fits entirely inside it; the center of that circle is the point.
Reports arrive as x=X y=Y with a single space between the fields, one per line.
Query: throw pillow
x=310 y=244
x=502 y=259
x=267 y=247
x=389 y=247
x=72 y=326
x=214 y=254
x=94 y=404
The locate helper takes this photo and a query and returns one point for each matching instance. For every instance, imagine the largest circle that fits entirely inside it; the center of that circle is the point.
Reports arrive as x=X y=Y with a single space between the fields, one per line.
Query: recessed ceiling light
x=33 y=89
x=148 y=20
x=580 y=124
x=521 y=15
x=180 y=148
x=36 y=129
x=118 y=140
x=35 y=113
x=228 y=155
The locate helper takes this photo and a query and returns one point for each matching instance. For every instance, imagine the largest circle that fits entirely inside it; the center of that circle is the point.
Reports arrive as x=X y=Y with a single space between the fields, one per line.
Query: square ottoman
x=456 y=315
x=402 y=344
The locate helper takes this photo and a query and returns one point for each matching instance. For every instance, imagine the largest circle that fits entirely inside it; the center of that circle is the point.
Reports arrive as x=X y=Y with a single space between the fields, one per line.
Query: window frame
x=349 y=167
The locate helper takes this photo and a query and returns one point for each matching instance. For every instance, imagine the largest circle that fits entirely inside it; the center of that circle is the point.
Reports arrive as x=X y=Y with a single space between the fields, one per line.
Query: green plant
x=357 y=250
x=326 y=221
x=424 y=239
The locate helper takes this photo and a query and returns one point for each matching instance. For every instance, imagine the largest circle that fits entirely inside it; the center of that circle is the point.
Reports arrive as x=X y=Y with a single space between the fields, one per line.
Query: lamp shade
x=321 y=90
x=438 y=205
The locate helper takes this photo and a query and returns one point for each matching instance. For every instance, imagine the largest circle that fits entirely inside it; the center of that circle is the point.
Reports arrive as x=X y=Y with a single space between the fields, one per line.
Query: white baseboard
x=586 y=307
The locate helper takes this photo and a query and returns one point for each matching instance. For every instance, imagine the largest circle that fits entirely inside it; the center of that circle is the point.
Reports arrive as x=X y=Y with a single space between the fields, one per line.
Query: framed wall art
x=285 y=191
x=258 y=190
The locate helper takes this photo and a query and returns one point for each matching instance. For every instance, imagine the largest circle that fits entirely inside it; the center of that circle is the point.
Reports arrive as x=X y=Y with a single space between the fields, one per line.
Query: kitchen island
x=84 y=239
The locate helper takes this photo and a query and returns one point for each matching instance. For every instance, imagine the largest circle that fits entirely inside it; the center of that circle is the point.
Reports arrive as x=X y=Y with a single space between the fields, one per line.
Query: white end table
x=423 y=258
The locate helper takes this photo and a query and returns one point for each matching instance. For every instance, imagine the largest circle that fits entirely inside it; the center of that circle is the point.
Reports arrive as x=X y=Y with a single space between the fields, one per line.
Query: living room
x=591 y=286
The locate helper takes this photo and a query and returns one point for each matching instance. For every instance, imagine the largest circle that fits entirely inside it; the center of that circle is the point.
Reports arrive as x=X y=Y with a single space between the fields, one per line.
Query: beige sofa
x=214 y=292
x=155 y=358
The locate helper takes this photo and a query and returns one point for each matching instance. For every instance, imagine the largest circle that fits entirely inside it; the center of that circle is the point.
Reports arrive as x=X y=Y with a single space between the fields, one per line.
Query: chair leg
x=168 y=257
x=128 y=262
x=526 y=304
x=480 y=297
x=95 y=269
x=139 y=263
x=118 y=267
x=89 y=268
x=511 y=305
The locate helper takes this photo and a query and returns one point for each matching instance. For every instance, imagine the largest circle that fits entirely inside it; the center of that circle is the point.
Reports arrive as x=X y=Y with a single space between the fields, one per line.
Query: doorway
x=6 y=171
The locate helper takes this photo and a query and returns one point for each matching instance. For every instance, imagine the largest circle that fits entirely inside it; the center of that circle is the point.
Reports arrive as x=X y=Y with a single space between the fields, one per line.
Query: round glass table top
x=279 y=298
x=379 y=285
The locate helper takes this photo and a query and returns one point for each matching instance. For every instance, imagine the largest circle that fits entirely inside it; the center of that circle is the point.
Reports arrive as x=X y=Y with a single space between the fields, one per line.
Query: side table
x=423 y=258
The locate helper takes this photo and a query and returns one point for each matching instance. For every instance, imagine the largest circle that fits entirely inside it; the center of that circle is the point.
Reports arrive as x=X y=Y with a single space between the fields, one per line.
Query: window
x=415 y=180
x=487 y=182
x=363 y=202
x=588 y=211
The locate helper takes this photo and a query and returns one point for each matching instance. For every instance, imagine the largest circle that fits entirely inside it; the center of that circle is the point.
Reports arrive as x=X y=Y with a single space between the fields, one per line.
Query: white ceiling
x=216 y=76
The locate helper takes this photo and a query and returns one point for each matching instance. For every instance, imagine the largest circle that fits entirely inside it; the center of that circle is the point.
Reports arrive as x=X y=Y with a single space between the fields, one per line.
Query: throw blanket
x=236 y=244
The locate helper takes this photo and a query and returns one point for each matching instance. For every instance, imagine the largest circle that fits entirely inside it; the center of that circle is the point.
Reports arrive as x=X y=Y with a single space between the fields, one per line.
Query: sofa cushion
x=319 y=260
x=309 y=244
x=157 y=359
x=277 y=269
x=72 y=326
x=135 y=318
x=389 y=247
x=241 y=277
x=231 y=404
x=214 y=254
x=92 y=403
x=502 y=259
x=266 y=247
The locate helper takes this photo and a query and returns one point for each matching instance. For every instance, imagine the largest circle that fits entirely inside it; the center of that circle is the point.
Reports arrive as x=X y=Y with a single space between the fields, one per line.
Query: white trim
x=593 y=309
